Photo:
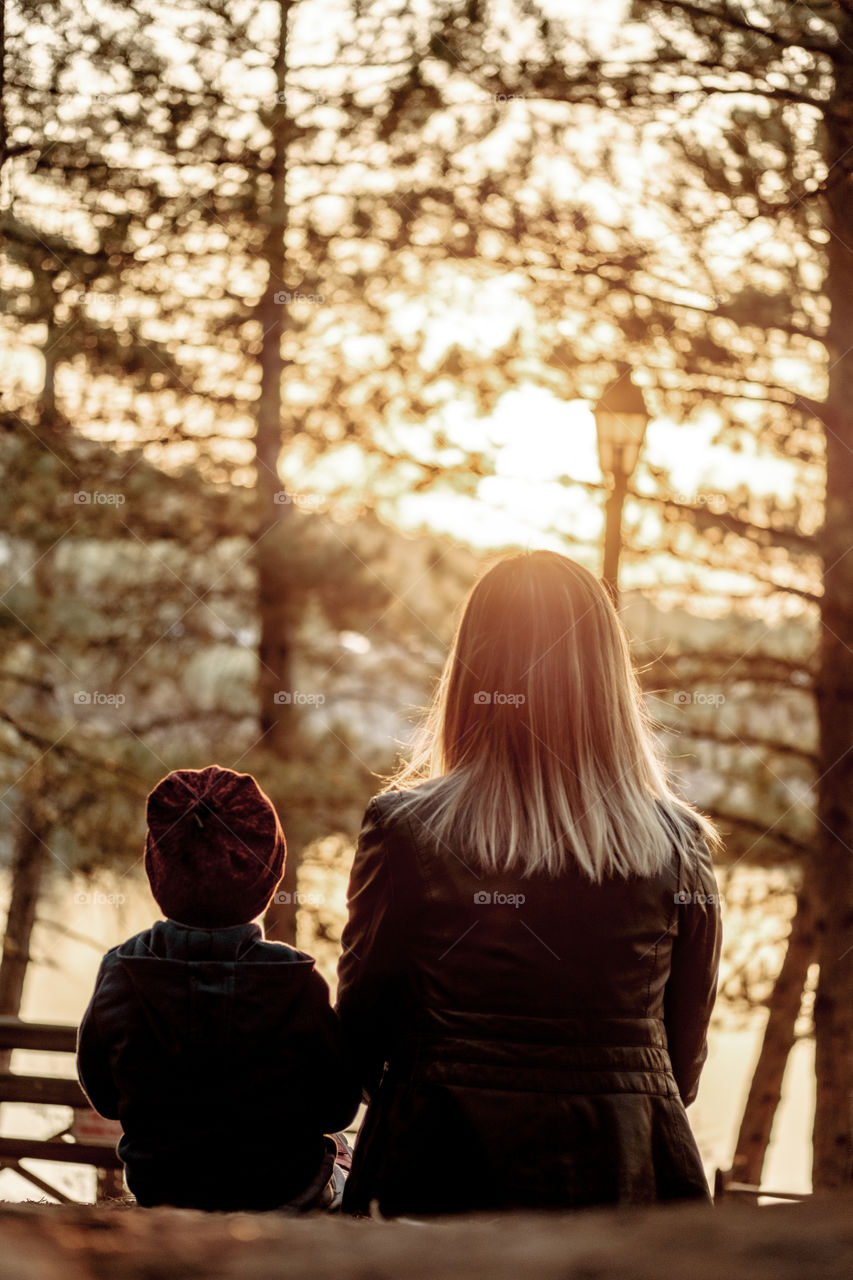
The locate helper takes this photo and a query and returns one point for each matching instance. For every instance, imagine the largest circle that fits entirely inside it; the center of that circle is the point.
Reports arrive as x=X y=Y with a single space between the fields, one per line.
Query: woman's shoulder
x=402 y=801
x=405 y=814
x=695 y=858
x=690 y=857
x=701 y=864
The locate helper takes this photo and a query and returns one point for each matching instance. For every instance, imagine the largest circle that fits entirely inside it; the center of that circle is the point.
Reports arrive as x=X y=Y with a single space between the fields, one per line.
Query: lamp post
x=621 y=418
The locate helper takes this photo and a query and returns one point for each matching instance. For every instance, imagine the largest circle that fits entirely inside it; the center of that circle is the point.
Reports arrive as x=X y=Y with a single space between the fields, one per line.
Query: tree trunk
x=28 y=867
x=32 y=854
x=4 y=153
x=278 y=712
x=832 y=873
x=280 y=918
x=783 y=1007
x=275 y=610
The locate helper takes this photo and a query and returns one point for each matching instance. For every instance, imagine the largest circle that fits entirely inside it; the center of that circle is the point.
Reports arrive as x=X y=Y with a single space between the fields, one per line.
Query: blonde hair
x=537 y=750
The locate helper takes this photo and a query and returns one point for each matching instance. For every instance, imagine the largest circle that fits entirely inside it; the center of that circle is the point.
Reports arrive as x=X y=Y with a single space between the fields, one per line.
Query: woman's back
x=542 y=944
x=531 y=953
x=541 y=1027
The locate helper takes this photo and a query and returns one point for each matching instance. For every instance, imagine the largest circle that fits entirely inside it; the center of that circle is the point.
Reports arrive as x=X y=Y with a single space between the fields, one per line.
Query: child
x=218 y=1051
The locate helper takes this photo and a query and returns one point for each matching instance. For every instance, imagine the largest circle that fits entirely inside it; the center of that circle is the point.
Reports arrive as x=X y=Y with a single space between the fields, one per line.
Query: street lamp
x=621 y=418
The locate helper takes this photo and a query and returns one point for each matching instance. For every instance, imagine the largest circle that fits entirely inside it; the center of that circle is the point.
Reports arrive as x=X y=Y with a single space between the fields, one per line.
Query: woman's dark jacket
x=224 y=1061
x=533 y=1051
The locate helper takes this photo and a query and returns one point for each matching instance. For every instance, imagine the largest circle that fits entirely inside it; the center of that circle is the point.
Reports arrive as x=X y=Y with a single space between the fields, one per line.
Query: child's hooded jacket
x=223 y=1060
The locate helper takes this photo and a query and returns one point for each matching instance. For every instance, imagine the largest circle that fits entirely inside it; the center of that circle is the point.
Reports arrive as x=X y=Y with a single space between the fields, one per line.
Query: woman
x=530 y=960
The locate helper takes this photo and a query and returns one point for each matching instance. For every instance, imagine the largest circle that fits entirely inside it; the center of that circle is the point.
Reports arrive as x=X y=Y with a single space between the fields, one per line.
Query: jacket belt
x=563 y=1055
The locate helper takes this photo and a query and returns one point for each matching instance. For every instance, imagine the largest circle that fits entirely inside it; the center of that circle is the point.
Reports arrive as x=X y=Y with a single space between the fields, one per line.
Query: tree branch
x=730 y=19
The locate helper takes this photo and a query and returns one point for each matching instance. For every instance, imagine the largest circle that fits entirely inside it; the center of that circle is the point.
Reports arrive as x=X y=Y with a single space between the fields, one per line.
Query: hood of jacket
x=204 y=989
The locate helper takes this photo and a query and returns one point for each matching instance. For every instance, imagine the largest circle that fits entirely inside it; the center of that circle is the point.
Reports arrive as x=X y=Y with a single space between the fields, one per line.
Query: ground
x=732 y=1242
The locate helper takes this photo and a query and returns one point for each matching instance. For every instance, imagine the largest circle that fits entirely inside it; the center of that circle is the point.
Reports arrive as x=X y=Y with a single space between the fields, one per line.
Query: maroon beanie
x=215 y=849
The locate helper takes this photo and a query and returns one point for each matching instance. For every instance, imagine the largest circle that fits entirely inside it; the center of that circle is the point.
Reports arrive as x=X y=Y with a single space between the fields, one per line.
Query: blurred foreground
x=783 y=1243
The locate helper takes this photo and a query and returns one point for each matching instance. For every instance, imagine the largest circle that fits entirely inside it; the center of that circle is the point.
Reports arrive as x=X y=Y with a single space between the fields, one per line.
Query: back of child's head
x=215 y=849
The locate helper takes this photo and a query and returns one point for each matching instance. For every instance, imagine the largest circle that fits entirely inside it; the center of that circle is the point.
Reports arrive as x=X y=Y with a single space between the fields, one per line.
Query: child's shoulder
x=169 y=941
x=137 y=945
x=166 y=946
x=266 y=950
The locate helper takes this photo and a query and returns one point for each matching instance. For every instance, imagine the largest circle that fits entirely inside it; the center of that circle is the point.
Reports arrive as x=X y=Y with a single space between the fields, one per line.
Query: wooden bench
x=88 y=1139
x=725 y=1187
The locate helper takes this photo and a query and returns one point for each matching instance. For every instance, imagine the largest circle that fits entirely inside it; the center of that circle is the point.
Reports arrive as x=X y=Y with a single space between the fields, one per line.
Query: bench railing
x=86 y=1140
x=73 y=1144
x=725 y=1186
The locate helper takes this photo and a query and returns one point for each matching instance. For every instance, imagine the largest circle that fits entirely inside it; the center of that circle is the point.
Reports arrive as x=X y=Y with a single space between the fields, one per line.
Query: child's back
x=218 y=1051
